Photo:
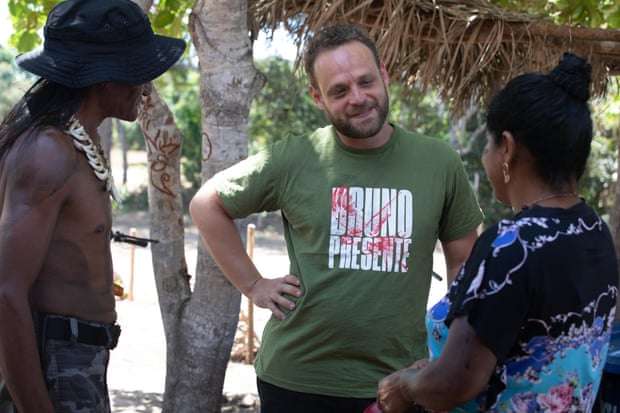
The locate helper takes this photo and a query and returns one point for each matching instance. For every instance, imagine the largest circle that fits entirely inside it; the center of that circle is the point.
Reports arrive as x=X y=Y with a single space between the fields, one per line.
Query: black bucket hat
x=93 y=41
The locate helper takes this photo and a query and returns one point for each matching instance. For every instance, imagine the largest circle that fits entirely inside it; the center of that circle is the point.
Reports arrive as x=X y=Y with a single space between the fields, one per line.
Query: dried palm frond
x=467 y=49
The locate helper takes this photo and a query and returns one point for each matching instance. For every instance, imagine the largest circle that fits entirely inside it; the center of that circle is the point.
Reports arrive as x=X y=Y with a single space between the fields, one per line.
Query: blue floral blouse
x=540 y=292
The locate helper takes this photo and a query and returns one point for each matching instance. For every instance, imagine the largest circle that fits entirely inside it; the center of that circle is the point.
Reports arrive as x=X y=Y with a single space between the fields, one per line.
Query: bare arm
x=456 y=253
x=458 y=375
x=222 y=239
x=34 y=189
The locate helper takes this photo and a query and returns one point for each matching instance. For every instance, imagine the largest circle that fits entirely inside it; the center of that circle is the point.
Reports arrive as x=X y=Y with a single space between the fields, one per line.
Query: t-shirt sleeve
x=249 y=186
x=492 y=291
x=461 y=212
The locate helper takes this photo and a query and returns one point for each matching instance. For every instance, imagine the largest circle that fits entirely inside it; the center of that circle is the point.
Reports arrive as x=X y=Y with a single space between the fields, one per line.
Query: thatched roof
x=468 y=49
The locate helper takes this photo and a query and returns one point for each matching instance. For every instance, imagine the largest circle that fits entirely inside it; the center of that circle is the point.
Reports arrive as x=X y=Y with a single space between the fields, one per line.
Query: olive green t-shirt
x=361 y=227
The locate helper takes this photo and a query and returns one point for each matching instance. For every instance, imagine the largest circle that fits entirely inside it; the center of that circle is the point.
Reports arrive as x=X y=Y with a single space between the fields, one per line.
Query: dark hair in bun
x=549 y=115
x=573 y=74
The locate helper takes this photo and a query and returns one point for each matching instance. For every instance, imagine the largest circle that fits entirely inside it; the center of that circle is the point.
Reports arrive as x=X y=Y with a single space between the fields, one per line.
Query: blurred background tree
x=12 y=81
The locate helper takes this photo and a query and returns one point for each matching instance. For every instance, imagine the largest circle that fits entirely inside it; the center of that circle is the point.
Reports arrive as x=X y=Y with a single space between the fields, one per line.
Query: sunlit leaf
x=25 y=41
x=163 y=19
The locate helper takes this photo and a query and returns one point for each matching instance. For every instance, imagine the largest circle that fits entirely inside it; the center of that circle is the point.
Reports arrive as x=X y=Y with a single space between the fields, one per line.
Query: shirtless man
x=57 y=306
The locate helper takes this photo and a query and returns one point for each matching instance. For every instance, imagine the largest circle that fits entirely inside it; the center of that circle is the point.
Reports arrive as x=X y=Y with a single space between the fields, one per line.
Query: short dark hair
x=549 y=115
x=332 y=37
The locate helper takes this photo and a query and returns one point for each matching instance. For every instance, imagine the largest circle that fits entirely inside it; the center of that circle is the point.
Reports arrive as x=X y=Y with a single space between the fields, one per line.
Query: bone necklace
x=94 y=154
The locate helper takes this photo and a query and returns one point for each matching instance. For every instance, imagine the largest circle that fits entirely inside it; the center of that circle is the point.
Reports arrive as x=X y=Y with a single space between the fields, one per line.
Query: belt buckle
x=75 y=332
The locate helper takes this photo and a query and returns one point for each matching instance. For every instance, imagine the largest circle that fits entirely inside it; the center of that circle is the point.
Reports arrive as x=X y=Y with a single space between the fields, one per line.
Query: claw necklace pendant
x=94 y=154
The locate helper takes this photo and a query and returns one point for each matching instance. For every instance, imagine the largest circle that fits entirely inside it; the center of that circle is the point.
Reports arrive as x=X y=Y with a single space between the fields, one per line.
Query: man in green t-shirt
x=363 y=204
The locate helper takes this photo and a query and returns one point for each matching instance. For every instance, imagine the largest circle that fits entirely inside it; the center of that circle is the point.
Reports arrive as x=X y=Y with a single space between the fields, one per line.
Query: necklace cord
x=552 y=196
x=94 y=155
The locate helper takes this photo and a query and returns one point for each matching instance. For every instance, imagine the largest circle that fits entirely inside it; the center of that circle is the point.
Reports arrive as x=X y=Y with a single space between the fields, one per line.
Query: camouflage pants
x=6 y=404
x=75 y=375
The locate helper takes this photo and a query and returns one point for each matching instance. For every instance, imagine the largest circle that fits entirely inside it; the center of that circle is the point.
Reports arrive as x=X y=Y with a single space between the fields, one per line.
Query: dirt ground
x=136 y=374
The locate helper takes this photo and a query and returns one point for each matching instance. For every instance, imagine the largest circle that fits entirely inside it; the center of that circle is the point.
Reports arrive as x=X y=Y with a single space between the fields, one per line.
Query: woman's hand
x=390 y=398
x=419 y=364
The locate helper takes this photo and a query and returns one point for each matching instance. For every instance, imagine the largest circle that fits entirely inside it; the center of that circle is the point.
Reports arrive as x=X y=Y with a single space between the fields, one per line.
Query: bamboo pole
x=249 y=355
x=132 y=257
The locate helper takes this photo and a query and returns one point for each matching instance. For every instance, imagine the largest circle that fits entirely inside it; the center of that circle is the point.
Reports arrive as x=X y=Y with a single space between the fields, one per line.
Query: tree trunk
x=163 y=144
x=105 y=135
x=228 y=83
x=199 y=326
x=122 y=139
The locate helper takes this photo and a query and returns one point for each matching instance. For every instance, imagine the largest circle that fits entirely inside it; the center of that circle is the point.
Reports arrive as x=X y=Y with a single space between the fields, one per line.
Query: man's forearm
x=19 y=362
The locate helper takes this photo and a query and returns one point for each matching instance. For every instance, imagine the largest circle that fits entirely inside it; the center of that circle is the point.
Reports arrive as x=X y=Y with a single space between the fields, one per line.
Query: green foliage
x=598 y=183
x=170 y=17
x=419 y=111
x=134 y=139
x=27 y=17
x=136 y=200
x=283 y=107
x=593 y=13
x=13 y=82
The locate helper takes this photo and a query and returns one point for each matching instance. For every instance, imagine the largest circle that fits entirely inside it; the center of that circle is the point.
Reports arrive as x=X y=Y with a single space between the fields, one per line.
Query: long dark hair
x=44 y=104
x=549 y=115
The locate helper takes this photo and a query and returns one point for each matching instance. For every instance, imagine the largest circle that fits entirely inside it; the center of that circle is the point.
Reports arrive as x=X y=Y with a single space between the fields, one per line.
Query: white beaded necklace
x=94 y=154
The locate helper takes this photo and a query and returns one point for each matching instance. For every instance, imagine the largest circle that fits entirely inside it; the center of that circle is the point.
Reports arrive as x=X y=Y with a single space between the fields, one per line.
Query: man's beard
x=367 y=130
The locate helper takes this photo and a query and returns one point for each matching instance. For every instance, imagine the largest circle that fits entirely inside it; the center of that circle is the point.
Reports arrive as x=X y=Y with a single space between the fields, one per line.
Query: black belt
x=59 y=328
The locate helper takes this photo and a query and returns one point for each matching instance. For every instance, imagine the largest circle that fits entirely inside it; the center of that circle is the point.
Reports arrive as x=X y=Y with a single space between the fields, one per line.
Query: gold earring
x=505 y=172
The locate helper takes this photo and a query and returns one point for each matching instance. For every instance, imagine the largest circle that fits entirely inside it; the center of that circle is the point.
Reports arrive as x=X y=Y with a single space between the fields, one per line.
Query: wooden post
x=249 y=355
x=132 y=257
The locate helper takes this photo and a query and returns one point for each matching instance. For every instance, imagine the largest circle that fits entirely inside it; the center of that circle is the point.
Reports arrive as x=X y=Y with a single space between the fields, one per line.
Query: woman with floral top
x=525 y=327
